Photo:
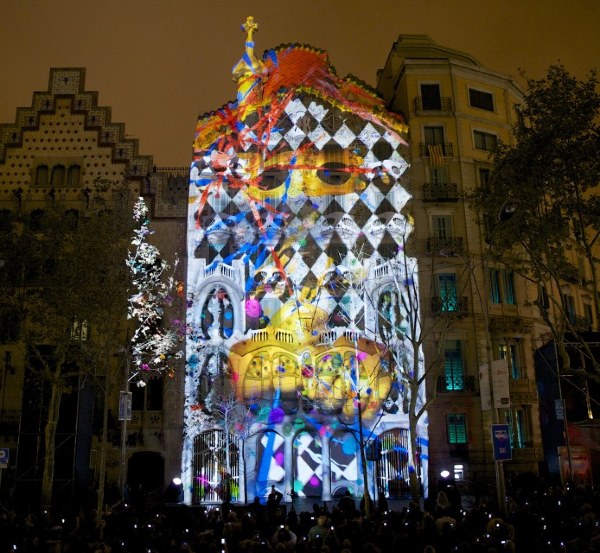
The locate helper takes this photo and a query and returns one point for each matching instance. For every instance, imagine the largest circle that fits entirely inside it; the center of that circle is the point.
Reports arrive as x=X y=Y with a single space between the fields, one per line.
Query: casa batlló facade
x=296 y=269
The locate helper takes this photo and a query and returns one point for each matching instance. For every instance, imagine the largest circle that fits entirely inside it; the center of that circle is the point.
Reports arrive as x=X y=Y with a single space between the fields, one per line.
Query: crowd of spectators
x=539 y=518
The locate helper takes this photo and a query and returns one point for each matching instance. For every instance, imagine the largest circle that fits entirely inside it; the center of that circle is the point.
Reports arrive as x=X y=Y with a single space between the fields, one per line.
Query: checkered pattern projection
x=296 y=228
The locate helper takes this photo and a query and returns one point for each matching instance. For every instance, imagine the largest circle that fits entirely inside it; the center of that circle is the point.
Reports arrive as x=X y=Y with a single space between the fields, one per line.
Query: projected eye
x=272 y=179
x=333 y=172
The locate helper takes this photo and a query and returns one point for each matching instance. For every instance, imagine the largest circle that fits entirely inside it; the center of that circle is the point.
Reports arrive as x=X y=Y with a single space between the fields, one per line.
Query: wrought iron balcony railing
x=446 y=247
x=440 y=192
x=436 y=104
x=450 y=305
x=464 y=384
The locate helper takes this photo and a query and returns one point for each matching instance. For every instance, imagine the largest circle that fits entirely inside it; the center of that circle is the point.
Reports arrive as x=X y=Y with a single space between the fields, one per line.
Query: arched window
x=73 y=175
x=58 y=175
x=344 y=460
x=217 y=318
x=258 y=382
x=270 y=450
x=41 y=175
x=388 y=314
x=308 y=465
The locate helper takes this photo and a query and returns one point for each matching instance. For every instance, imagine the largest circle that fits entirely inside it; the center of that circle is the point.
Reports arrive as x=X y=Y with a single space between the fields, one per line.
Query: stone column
x=326 y=464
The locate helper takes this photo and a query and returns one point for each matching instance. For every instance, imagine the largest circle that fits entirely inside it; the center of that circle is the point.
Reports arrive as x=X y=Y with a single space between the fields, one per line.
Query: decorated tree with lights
x=155 y=343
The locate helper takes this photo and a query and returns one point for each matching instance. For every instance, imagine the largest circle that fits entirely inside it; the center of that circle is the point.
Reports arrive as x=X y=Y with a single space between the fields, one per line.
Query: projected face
x=297 y=204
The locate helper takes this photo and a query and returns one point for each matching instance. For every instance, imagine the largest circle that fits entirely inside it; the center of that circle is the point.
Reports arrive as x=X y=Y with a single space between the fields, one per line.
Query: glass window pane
x=457 y=428
x=447 y=291
x=453 y=366
x=431 y=96
x=509 y=288
x=481 y=99
x=495 y=286
x=434 y=135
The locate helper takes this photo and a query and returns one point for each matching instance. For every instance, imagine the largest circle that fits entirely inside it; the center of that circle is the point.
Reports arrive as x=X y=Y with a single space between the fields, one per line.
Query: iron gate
x=213 y=480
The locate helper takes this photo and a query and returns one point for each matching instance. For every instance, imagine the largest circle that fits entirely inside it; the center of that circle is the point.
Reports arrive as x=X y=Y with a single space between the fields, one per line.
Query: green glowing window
x=456 y=424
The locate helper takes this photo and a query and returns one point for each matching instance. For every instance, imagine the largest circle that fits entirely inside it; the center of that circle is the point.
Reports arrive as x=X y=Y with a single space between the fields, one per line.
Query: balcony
x=453 y=306
x=446 y=247
x=579 y=323
x=443 y=104
x=571 y=274
x=440 y=192
x=447 y=149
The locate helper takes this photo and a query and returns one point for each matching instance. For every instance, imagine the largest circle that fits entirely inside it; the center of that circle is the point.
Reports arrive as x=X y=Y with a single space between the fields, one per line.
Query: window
x=508 y=282
x=154 y=394
x=441 y=226
x=447 y=292
x=569 y=307
x=73 y=175
x=434 y=135
x=439 y=175
x=41 y=175
x=484 y=178
x=495 y=286
x=519 y=427
x=588 y=314
x=149 y=397
x=502 y=286
x=456 y=425
x=58 y=175
x=217 y=314
x=389 y=314
x=431 y=97
x=480 y=99
x=485 y=141
x=453 y=366
x=511 y=352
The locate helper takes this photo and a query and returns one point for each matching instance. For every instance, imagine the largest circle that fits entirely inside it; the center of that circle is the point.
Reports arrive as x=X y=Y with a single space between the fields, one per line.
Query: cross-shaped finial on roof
x=250 y=26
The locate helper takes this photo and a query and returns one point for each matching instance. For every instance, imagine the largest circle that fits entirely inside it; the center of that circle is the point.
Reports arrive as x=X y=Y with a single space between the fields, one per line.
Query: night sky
x=160 y=63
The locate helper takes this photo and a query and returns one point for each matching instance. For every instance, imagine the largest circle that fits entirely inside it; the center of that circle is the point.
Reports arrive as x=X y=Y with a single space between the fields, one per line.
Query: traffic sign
x=501 y=442
x=4 y=454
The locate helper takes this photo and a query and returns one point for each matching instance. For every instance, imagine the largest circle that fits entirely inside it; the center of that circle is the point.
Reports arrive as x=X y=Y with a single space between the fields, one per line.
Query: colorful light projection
x=294 y=230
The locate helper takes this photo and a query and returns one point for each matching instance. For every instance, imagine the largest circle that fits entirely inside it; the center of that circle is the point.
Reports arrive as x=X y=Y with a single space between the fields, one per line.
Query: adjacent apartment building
x=457 y=111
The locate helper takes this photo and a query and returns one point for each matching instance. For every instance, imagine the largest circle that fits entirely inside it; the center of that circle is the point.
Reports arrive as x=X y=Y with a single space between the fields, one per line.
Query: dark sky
x=160 y=63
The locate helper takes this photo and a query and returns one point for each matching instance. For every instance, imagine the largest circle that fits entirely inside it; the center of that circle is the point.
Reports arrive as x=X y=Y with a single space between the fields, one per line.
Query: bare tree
x=73 y=314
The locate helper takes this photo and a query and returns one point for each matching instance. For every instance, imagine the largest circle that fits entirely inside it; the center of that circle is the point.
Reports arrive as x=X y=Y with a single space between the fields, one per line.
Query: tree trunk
x=102 y=468
x=50 y=441
x=414 y=474
x=363 y=461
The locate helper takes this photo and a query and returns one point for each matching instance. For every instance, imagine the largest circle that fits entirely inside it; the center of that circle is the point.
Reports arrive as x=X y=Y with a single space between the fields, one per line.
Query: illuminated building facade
x=297 y=224
x=54 y=154
x=458 y=111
